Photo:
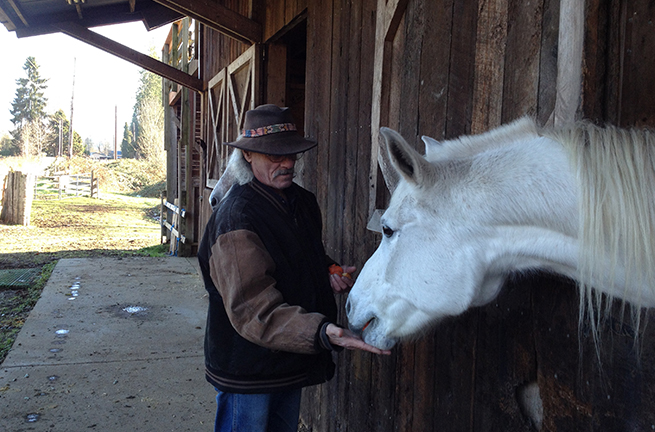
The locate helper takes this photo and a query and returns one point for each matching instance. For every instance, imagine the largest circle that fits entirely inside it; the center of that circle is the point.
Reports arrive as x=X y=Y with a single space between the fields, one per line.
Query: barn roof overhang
x=76 y=17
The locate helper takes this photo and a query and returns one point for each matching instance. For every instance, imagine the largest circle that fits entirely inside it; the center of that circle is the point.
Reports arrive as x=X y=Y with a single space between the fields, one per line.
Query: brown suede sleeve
x=241 y=269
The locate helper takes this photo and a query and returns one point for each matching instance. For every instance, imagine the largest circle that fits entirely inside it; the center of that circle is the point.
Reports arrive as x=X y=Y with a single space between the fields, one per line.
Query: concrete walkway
x=112 y=345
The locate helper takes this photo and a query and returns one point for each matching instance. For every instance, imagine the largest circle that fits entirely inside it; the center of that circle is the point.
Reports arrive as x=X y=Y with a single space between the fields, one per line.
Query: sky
x=104 y=83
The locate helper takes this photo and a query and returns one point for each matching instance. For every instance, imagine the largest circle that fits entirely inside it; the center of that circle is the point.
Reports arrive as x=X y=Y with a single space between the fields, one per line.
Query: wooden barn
x=440 y=68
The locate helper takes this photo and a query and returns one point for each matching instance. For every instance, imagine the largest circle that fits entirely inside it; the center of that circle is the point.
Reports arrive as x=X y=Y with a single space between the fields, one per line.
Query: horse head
x=460 y=219
x=237 y=171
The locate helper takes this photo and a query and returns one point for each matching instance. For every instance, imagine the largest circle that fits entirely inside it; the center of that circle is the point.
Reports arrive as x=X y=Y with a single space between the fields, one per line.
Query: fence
x=65 y=186
x=171 y=225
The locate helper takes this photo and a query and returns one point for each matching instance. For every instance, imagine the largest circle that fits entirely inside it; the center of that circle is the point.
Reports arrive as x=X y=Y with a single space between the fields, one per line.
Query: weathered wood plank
x=319 y=67
x=17 y=192
x=218 y=17
x=314 y=170
x=334 y=179
x=638 y=66
x=276 y=76
x=358 y=240
x=569 y=61
x=521 y=71
x=462 y=64
x=596 y=69
x=454 y=383
x=491 y=41
x=409 y=55
x=547 y=87
x=274 y=18
x=505 y=353
x=435 y=68
x=557 y=349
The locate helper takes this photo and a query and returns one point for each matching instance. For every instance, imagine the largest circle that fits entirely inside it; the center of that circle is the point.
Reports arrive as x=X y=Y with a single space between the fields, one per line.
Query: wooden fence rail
x=170 y=223
x=65 y=186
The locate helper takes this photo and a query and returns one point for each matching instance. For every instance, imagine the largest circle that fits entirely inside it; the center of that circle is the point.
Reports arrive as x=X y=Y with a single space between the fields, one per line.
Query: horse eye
x=388 y=232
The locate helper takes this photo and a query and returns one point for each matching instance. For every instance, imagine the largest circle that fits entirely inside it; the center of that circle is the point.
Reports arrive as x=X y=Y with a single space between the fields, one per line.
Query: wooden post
x=163 y=211
x=175 y=224
x=92 y=185
x=17 y=198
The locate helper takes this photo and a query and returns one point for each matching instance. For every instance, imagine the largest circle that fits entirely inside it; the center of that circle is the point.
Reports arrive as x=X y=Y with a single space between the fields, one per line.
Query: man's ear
x=247 y=156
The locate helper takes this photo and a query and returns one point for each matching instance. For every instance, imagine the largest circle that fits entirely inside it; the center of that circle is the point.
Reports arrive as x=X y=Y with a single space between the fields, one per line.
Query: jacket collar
x=281 y=203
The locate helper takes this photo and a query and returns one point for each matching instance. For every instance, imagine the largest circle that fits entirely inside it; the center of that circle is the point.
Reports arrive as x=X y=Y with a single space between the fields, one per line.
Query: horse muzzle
x=371 y=331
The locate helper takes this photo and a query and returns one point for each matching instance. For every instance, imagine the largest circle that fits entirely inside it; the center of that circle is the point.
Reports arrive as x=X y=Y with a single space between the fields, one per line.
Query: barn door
x=231 y=92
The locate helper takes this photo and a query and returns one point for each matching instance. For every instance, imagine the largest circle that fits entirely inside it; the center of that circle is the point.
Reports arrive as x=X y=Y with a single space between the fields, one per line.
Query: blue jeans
x=274 y=412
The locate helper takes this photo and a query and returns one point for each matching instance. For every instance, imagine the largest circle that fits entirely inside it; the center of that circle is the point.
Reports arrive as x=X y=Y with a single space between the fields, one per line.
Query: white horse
x=577 y=201
x=237 y=171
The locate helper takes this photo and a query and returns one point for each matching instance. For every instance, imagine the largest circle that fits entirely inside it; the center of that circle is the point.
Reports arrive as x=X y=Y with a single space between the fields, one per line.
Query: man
x=271 y=321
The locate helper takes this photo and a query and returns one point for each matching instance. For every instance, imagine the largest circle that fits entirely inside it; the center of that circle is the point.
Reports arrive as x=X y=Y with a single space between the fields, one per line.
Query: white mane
x=522 y=129
x=615 y=170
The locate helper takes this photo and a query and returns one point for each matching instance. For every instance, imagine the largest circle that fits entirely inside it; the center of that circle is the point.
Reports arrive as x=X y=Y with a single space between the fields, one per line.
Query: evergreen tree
x=127 y=145
x=28 y=111
x=57 y=120
x=7 y=146
x=30 y=102
x=51 y=147
x=88 y=146
x=78 y=145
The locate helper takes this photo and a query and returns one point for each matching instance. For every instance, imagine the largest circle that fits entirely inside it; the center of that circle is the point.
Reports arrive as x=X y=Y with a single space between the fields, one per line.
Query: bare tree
x=150 y=142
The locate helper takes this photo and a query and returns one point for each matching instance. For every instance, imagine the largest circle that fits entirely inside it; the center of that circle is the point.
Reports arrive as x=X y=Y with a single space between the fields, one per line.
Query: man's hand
x=341 y=283
x=347 y=339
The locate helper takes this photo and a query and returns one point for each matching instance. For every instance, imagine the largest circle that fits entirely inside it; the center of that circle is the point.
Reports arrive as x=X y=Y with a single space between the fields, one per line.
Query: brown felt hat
x=270 y=129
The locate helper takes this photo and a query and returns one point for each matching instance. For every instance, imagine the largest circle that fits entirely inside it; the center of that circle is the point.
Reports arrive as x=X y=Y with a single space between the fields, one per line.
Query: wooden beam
x=569 y=61
x=151 y=64
x=219 y=18
x=389 y=16
x=18 y=12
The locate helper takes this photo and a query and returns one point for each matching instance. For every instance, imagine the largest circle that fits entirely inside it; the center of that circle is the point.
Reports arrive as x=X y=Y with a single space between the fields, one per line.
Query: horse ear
x=407 y=161
x=432 y=146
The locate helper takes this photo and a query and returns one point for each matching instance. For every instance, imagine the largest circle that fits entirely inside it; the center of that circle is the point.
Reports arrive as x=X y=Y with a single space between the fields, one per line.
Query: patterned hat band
x=268 y=130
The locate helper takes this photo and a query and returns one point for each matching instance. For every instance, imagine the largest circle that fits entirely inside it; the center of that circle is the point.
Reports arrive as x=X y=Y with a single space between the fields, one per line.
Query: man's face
x=273 y=171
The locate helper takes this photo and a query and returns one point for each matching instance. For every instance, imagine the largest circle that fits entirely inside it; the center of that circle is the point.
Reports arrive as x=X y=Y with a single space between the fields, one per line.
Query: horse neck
x=529 y=183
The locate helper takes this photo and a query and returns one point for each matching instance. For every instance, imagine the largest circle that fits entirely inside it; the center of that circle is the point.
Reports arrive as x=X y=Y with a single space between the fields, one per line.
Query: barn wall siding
x=456 y=68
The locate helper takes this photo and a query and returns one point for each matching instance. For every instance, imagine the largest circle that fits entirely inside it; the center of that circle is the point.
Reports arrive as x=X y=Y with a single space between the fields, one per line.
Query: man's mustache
x=284 y=171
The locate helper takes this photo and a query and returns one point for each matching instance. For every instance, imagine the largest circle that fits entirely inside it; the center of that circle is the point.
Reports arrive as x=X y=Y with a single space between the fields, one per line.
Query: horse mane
x=615 y=170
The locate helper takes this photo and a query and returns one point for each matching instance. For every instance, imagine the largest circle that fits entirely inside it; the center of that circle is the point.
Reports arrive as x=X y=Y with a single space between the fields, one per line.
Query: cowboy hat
x=271 y=130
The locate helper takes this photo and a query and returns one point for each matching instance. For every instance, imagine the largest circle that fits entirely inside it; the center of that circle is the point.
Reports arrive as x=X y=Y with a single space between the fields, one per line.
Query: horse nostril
x=348 y=307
